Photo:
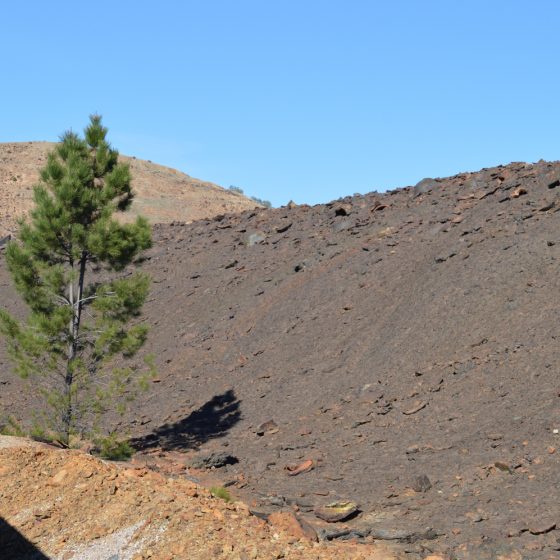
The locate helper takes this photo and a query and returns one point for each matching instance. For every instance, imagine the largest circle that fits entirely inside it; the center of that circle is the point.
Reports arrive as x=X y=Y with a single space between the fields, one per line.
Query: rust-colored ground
x=70 y=505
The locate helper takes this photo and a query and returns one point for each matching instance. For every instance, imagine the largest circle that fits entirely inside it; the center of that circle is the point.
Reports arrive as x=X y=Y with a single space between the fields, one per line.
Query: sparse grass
x=220 y=492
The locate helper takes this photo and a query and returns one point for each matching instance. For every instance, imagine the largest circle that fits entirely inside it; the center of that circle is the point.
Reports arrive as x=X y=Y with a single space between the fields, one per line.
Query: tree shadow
x=14 y=545
x=212 y=420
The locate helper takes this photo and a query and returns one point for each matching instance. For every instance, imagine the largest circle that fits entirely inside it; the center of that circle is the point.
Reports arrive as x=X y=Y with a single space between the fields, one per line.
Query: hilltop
x=163 y=194
x=399 y=348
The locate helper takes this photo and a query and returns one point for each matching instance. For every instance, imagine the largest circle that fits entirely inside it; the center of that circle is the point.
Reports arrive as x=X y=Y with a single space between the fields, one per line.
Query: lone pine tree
x=79 y=317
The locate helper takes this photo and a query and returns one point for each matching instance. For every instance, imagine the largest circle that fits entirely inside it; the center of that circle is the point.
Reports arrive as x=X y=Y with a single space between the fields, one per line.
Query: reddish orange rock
x=58 y=478
x=289 y=523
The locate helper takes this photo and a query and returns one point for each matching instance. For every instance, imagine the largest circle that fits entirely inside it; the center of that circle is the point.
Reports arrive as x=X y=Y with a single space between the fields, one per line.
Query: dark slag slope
x=388 y=336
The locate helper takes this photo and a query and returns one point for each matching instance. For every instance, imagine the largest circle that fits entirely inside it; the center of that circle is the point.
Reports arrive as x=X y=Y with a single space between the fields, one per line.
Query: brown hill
x=162 y=194
x=404 y=343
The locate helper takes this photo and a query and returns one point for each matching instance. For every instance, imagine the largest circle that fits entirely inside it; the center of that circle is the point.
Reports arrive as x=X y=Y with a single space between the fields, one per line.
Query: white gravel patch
x=114 y=546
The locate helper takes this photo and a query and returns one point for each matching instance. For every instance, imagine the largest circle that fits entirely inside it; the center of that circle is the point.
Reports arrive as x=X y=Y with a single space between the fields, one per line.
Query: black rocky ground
x=407 y=343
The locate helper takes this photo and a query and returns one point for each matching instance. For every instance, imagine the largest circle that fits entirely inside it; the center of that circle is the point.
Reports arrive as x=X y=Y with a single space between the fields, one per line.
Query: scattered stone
x=359 y=423
x=276 y=501
x=294 y=526
x=268 y=427
x=284 y=228
x=385 y=232
x=516 y=531
x=342 y=210
x=548 y=207
x=416 y=408
x=255 y=238
x=259 y=514
x=378 y=206
x=304 y=467
x=445 y=257
x=337 y=511
x=519 y=191
x=424 y=186
x=343 y=225
x=503 y=466
x=326 y=534
x=213 y=460
x=474 y=516
x=421 y=483
x=542 y=526
x=402 y=535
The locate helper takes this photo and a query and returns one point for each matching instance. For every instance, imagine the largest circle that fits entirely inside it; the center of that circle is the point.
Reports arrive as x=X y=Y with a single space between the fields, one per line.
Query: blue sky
x=303 y=100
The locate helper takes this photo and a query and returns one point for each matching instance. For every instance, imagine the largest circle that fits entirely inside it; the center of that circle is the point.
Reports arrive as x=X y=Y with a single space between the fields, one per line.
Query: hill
x=162 y=194
x=396 y=350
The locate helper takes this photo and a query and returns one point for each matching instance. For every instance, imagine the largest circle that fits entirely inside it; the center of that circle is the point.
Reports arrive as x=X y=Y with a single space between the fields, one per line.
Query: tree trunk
x=75 y=300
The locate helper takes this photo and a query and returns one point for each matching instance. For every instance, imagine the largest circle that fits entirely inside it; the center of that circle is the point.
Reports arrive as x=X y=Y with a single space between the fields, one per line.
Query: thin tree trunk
x=74 y=330
x=67 y=410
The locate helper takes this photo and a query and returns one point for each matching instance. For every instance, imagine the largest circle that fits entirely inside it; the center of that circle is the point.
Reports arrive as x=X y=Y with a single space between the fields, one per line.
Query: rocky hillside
x=163 y=194
x=63 y=505
x=397 y=351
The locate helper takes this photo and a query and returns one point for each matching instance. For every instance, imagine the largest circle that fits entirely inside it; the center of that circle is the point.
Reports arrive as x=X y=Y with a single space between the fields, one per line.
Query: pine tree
x=65 y=264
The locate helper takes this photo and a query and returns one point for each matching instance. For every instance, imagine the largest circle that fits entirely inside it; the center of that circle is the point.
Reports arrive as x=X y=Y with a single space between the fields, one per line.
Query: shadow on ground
x=212 y=420
x=14 y=545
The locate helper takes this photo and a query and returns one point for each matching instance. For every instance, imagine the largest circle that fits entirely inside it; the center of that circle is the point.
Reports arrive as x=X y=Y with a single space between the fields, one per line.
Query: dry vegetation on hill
x=163 y=194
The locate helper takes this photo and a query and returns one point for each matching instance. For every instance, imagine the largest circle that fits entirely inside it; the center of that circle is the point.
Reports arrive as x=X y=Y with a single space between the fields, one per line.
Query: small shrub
x=265 y=203
x=11 y=427
x=236 y=189
x=113 y=449
x=39 y=433
x=220 y=492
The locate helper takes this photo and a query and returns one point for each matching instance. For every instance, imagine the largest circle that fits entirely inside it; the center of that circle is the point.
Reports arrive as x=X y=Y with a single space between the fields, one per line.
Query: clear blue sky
x=303 y=100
